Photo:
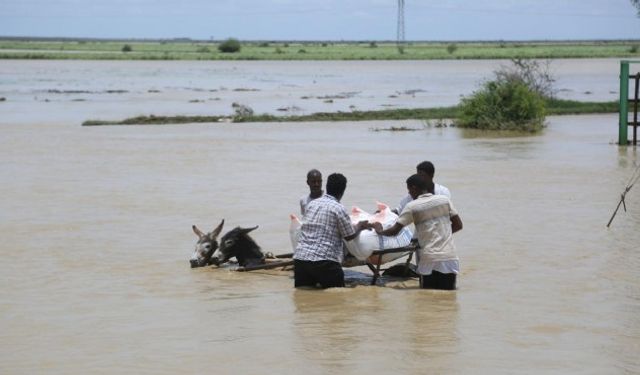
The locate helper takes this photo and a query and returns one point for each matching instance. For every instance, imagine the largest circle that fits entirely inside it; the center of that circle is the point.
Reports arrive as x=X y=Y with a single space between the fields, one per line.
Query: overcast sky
x=321 y=19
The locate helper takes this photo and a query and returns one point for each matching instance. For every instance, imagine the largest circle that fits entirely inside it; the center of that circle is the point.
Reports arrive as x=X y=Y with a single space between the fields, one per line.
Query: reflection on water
x=326 y=323
x=96 y=236
x=497 y=134
x=366 y=330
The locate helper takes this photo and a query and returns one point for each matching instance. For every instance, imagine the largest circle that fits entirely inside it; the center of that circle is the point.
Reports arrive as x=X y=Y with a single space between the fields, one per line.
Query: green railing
x=624 y=103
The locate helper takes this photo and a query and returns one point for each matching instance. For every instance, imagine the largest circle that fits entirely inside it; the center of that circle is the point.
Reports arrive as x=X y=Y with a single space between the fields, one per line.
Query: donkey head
x=205 y=247
x=237 y=243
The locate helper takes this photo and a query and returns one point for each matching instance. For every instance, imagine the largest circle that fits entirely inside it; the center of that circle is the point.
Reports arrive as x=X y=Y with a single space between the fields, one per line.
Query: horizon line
x=211 y=40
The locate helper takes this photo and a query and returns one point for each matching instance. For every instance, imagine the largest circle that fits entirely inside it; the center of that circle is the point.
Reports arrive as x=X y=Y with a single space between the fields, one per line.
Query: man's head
x=417 y=185
x=426 y=169
x=314 y=180
x=336 y=185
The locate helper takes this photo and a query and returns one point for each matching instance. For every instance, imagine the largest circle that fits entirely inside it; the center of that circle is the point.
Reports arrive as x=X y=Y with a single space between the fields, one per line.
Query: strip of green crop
x=203 y=50
x=554 y=107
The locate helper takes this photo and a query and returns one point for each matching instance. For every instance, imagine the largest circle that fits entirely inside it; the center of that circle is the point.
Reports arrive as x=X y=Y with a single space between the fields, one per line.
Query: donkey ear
x=218 y=229
x=197 y=231
x=247 y=230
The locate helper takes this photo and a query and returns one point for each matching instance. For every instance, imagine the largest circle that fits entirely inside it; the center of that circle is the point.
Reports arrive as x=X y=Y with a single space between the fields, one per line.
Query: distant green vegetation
x=230 y=45
x=279 y=50
x=553 y=107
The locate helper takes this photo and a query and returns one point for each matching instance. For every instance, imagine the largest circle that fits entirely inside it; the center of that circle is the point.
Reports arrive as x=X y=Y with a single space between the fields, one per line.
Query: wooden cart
x=374 y=262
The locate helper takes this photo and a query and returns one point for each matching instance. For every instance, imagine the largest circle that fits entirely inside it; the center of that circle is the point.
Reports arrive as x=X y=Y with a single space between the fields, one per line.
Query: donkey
x=236 y=243
x=205 y=247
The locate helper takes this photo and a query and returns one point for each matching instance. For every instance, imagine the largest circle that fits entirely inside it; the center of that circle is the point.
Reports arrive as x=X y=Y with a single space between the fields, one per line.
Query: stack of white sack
x=368 y=241
x=294 y=231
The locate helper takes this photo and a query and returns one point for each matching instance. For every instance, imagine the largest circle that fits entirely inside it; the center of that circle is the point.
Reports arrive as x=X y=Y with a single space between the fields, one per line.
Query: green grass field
x=192 y=50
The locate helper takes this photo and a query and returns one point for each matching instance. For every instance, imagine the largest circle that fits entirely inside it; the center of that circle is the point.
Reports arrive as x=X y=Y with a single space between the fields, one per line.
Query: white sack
x=368 y=241
x=294 y=231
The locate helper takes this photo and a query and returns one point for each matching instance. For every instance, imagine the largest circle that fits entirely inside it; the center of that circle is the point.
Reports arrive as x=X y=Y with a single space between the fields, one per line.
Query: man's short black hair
x=426 y=167
x=336 y=185
x=417 y=181
x=313 y=172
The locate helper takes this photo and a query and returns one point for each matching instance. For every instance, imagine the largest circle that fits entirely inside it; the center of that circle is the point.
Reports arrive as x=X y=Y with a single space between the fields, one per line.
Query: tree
x=230 y=45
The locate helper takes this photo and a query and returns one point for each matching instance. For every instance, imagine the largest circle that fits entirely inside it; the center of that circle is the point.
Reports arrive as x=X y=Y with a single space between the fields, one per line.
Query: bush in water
x=503 y=105
x=533 y=73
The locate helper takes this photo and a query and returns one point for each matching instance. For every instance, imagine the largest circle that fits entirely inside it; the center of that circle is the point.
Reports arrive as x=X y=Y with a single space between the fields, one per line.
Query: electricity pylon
x=400 y=29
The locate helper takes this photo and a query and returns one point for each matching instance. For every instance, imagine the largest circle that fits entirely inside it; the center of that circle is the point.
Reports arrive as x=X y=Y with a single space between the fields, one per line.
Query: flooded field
x=96 y=229
x=74 y=91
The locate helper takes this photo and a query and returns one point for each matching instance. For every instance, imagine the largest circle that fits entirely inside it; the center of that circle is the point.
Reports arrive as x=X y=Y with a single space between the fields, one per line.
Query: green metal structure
x=625 y=100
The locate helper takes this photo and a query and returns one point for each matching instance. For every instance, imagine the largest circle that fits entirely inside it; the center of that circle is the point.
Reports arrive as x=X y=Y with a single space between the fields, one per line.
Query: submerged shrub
x=503 y=105
x=230 y=45
x=533 y=73
x=242 y=111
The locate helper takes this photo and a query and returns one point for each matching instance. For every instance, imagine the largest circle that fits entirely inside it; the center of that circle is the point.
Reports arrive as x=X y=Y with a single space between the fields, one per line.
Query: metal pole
x=400 y=26
x=624 y=103
x=635 y=111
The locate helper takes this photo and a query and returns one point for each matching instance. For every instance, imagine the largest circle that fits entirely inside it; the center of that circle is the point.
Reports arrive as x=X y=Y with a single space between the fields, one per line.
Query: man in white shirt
x=427 y=171
x=436 y=220
x=314 y=181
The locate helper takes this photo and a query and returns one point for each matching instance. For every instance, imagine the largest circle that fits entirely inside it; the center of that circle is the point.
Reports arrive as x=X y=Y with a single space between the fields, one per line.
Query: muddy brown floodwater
x=96 y=234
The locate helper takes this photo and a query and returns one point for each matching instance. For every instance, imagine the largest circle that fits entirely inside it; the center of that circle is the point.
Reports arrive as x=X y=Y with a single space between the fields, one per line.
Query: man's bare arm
x=456 y=223
x=391 y=231
x=359 y=228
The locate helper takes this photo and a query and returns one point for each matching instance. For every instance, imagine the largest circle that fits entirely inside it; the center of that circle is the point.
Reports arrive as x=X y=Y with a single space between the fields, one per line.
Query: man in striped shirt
x=435 y=220
x=318 y=256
